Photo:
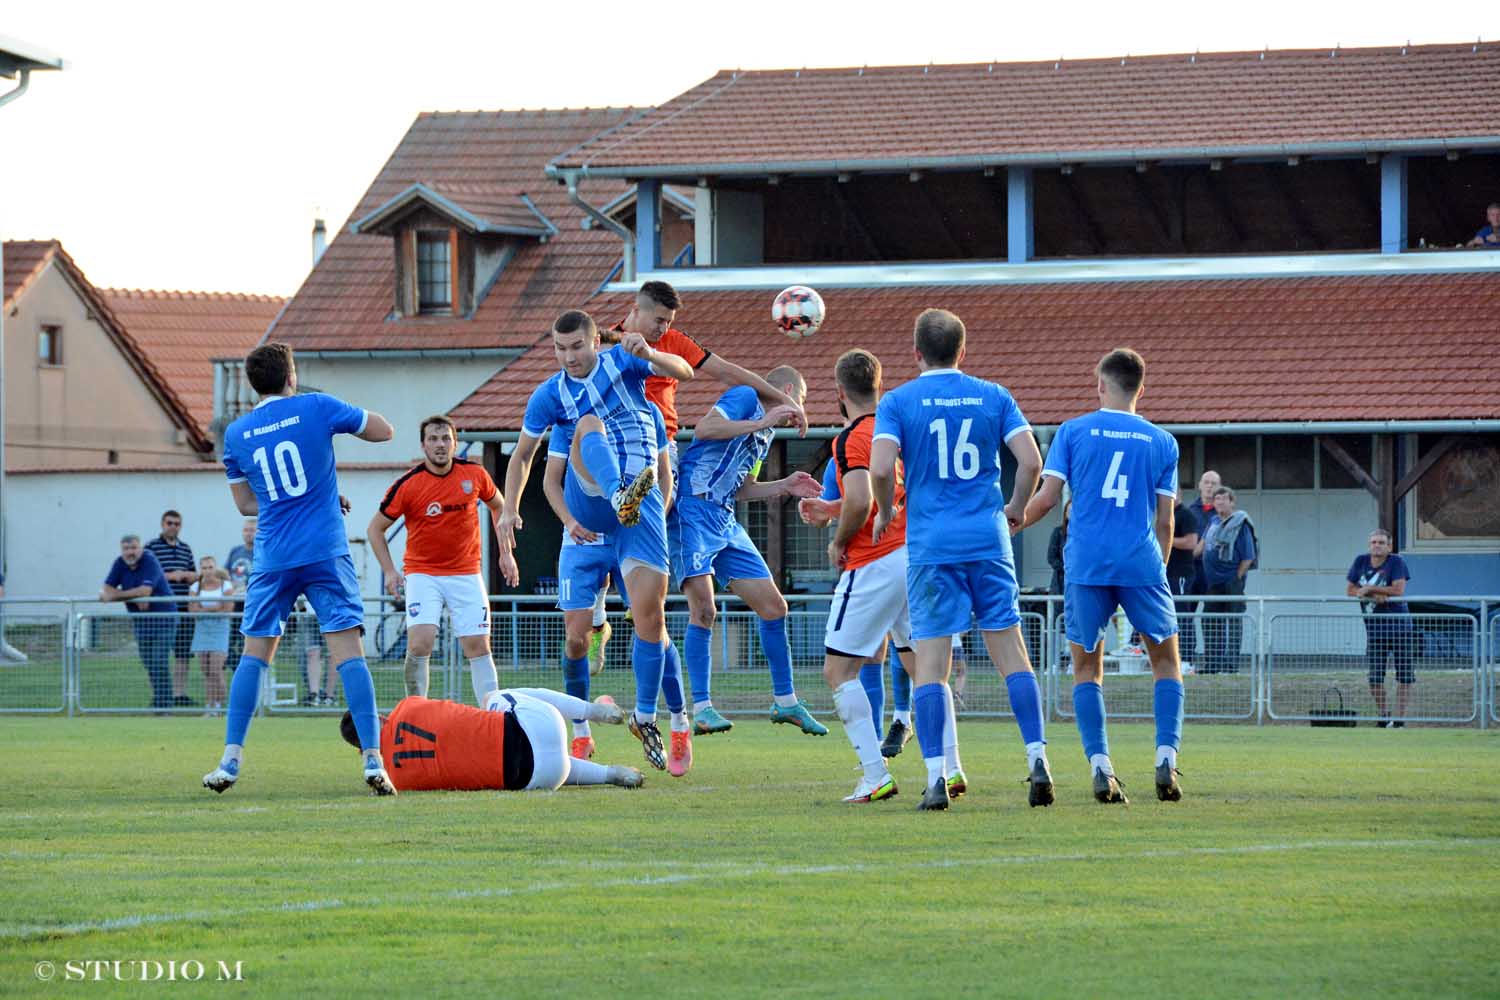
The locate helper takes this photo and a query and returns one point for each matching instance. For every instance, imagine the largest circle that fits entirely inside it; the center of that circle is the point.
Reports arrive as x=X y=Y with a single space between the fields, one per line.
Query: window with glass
x=434 y=273
x=49 y=344
x=1458 y=499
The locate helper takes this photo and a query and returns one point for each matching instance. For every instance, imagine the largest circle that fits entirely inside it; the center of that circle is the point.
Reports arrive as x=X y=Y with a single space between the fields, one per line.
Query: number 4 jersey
x=950 y=428
x=1115 y=464
x=284 y=449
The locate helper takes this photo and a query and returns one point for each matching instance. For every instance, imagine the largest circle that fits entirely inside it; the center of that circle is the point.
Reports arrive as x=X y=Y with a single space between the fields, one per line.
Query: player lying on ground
x=707 y=541
x=280 y=463
x=597 y=403
x=1122 y=472
x=517 y=742
x=947 y=428
x=441 y=564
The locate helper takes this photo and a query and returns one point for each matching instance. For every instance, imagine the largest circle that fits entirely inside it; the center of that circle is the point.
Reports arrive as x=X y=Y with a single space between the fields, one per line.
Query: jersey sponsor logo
x=434 y=509
x=414 y=609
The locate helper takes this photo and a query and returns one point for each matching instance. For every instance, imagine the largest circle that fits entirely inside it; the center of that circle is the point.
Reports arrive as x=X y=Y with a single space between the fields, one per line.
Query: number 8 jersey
x=284 y=449
x=1115 y=465
x=950 y=428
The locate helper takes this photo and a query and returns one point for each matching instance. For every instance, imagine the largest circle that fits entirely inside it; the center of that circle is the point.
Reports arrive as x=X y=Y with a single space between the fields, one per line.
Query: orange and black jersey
x=851 y=451
x=662 y=389
x=431 y=745
x=442 y=526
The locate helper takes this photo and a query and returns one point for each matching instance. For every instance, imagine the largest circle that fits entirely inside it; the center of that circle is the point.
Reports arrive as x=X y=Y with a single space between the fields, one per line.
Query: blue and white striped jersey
x=715 y=470
x=615 y=392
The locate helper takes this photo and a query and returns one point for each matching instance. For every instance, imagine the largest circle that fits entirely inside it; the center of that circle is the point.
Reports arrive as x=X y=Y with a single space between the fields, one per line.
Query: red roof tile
x=1351 y=348
x=1128 y=108
x=182 y=332
x=24 y=258
x=481 y=159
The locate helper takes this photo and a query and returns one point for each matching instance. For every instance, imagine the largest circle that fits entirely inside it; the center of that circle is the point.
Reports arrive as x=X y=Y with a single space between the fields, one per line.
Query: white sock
x=699 y=706
x=599 y=615
x=950 y=733
x=482 y=673
x=232 y=752
x=416 y=675
x=853 y=706
x=787 y=700
x=1035 y=752
x=581 y=728
x=372 y=759
x=644 y=718
x=1101 y=762
x=903 y=716
x=679 y=722
x=1166 y=755
x=586 y=772
x=935 y=769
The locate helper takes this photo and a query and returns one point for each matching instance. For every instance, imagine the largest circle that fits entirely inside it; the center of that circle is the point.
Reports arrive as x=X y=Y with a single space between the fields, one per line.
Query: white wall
x=65 y=528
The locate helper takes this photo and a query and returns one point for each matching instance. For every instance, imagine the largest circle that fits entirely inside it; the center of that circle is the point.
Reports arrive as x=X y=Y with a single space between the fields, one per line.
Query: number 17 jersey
x=284 y=449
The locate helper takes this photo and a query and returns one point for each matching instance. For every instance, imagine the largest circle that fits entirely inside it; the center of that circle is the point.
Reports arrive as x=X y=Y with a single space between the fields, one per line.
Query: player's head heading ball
x=858 y=374
x=656 y=305
x=1122 y=369
x=789 y=380
x=939 y=338
x=270 y=370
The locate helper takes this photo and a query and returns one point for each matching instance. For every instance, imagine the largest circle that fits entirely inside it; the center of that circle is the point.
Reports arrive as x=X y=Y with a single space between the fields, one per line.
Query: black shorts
x=182 y=642
x=519 y=761
x=1386 y=641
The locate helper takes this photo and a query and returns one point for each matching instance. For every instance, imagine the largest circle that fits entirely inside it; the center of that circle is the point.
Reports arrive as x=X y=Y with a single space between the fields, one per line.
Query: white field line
x=717 y=871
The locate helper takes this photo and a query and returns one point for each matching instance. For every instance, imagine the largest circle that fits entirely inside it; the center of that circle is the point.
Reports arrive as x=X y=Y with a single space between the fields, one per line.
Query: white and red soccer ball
x=798 y=311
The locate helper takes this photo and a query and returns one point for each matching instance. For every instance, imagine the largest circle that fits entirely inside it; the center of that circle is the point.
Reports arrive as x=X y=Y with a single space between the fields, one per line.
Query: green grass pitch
x=1302 y=862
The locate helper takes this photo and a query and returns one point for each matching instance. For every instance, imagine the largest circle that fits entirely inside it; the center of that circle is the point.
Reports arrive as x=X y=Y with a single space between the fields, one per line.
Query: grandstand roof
x=182 y=332
x=483 y=162
x=1275 y=102
x=1339 y=348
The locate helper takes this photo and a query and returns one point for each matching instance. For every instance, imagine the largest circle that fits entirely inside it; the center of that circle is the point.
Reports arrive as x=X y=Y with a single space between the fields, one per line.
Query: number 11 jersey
x=950 y=428
x=284 y=449
x=1115 y=464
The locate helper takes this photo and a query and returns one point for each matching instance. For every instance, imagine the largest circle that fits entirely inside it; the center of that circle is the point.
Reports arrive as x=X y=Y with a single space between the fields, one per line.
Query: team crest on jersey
x=434 y=509
x=468 y=485
x=414 y=609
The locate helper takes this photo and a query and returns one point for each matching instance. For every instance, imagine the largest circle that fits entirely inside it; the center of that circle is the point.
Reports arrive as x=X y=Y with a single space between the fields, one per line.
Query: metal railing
x=1280 y=659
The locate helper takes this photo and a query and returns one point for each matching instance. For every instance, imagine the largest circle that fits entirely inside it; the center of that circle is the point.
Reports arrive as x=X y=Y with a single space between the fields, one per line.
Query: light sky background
x=190 y=145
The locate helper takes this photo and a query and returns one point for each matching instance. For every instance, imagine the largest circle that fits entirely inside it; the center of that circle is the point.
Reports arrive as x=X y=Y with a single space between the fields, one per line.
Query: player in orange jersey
x=517 y=742
x=441 y=566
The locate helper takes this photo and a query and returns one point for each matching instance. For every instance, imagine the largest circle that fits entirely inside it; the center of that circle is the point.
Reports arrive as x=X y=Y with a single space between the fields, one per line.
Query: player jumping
x=280 y=464
x=948 y=428
x=1122 y=472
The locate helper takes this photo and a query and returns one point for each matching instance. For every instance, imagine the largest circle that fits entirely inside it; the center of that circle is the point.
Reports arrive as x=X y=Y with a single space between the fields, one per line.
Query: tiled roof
x=345 y=302
x=24 y=258
x=1121 y=108
x=1353 y=348
x=480 y=208
x=182 y=332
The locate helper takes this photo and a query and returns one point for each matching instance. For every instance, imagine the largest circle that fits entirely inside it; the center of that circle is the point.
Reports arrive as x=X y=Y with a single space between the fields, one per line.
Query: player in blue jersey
x=280 y=463
x=948 y=429
x=596 y=407
x=706 y=541
x=1122 y=473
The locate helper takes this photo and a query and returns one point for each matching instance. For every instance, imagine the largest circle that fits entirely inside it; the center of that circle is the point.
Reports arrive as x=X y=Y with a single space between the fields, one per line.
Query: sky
x=190 y=145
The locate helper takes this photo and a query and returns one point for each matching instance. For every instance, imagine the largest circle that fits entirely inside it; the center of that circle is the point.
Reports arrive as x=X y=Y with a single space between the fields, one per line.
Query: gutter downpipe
x=628 y=237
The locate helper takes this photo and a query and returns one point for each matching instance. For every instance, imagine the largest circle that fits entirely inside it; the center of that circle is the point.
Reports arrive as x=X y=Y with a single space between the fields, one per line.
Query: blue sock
x=900 y=686
x=576 y=678
x=699 y=662
x=872 y=678
x=359 y=692
x=671 y=678
x=1026 y=702
x=1166 y=703
x=648 y=661
x=244 y=692
x=778 y=652
x=599 y=458
x=1088 y=709
x=931 y=712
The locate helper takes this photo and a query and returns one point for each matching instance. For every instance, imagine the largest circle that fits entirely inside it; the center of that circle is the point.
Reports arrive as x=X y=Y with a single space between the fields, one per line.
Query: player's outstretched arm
x=552 y=487
x=661 y=362
x=1028 y=470
x=732 y=374
x=714 y=426
x=819 y=512
x=516 y=473
x=1042 y=503
x=375 y=534
x=799 y=484
x=377 y=428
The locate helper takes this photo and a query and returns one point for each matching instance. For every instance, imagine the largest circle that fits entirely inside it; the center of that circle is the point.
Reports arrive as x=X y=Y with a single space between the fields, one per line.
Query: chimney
x=319 y=240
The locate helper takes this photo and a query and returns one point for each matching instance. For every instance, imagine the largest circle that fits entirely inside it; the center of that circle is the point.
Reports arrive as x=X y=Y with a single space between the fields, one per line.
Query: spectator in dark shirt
x=1489 y=236
x=1229 y=549
x=177 y=562
x=240 y=564
x=1055 y=550
x=1378 y=579
x=134 y=575
x=1182 y=574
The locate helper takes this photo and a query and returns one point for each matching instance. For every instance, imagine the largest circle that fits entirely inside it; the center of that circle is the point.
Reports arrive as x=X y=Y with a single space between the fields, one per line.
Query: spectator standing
x=1378 y=579
x=1182 y=575
x=136 y=574
x=211 y=608
x=1055 y=546
x=1488 y=236
x=7 y=651
x=241 y=564
x=1228 y=548
x=177 y=562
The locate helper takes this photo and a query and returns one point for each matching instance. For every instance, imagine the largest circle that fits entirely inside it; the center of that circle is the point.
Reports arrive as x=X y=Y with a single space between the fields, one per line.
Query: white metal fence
x=1280 y=659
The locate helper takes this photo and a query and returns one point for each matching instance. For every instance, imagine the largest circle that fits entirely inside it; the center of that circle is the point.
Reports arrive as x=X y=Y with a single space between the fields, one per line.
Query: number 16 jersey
x=1115 y=464
x=284 y=449
x=950 y=428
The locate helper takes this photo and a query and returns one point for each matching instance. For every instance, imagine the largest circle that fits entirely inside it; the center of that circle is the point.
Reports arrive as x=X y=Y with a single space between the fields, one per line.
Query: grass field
x=1302 y=862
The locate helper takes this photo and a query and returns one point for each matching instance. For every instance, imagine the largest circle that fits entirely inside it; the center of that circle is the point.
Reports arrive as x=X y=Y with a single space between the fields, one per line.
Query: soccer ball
x=798 y=311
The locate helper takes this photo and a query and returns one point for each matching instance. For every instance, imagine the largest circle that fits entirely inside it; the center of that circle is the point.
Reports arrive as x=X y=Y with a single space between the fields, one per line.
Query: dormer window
x=435 y=272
